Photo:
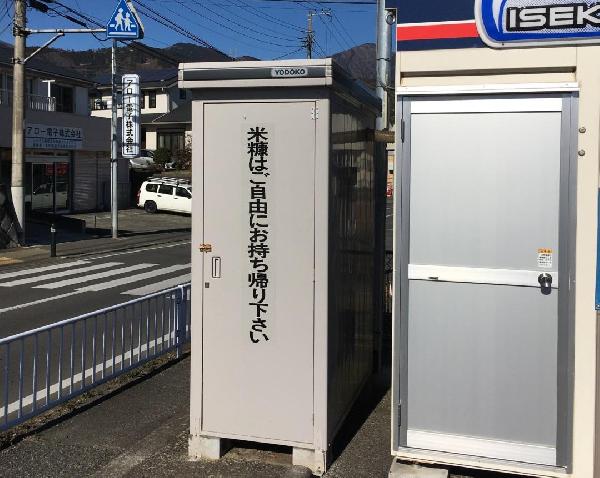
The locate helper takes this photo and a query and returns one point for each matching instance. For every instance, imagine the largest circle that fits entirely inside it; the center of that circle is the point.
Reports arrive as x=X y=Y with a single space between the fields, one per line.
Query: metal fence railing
x=33 y=102
x=46 y=366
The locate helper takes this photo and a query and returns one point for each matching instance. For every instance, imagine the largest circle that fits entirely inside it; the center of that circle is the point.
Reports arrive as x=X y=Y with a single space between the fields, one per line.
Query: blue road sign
x=124 y=22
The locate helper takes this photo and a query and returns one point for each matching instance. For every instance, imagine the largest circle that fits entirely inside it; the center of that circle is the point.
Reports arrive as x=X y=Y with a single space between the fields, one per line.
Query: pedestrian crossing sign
x=124 y=22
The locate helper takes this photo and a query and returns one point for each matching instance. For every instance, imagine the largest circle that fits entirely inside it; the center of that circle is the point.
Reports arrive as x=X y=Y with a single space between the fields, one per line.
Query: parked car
x=144 y=161
x=165 y=194
x=43 y=198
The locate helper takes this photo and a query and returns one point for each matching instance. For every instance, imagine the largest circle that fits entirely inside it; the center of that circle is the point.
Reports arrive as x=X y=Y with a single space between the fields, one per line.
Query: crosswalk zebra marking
x=55 y=275
x=101 y=286
x=135 y=278
x=91 y=277
x=54 y=267
x=158 y=286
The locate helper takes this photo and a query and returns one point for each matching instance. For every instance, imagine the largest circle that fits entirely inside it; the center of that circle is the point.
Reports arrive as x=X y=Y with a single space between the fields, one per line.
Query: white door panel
x=262 y=389
x=484 y=224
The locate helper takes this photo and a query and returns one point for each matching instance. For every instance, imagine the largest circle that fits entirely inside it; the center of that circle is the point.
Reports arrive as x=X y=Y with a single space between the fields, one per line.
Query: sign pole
x=114 y=203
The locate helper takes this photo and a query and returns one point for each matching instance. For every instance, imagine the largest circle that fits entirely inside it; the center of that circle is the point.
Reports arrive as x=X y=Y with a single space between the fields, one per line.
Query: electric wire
x=254 y=10
x=134 y=44
x=245 y=27
x=246 y=35
x=288 y=54
x=173 y=26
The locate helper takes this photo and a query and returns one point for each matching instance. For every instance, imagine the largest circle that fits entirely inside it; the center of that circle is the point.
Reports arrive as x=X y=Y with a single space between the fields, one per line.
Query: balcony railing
x=33 y=102
x=97 y=104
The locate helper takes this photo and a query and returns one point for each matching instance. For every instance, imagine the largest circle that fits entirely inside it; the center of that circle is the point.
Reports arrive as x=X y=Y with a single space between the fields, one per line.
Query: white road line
x=137 y=251
x=40 y=301
x=100 y=287
x=54 y=267
x=55 y=275
x=91 y=277
x=136 y=278
x=165 y=284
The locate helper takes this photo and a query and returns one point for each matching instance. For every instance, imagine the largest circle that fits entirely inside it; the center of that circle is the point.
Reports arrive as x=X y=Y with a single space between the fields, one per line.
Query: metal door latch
x=205 y=248
x=545 y=280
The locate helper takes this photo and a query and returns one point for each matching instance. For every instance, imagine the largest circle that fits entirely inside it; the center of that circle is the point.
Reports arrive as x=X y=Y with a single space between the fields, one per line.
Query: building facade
x=496 y=340
x=165 y=108
x=67 y=151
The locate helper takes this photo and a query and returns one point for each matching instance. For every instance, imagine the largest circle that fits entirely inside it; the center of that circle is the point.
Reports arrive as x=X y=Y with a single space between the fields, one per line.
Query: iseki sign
x=509 y=23
x=131 y=116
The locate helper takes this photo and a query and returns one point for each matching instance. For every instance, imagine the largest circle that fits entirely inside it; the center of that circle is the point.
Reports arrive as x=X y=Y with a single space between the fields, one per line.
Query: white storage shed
x=284 y=253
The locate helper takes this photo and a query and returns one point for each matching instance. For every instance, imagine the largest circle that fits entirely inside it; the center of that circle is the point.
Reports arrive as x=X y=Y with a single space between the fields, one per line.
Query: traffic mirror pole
x=114 y=203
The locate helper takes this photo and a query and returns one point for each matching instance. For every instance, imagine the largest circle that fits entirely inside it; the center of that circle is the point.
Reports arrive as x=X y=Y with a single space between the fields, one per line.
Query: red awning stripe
x=433 y=31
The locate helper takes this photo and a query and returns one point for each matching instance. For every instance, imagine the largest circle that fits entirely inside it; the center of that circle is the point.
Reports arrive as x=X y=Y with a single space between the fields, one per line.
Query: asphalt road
x=45 y=293
x=38 y=294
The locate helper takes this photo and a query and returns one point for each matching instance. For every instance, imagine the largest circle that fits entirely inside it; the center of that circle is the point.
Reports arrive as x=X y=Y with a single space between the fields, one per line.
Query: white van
x=166 y=194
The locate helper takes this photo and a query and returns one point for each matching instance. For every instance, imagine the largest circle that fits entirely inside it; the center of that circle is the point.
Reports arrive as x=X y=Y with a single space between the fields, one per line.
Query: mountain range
x=359 y=61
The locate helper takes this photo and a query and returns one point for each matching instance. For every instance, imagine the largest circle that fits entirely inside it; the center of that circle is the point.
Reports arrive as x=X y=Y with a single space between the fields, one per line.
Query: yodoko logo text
x=289 y=72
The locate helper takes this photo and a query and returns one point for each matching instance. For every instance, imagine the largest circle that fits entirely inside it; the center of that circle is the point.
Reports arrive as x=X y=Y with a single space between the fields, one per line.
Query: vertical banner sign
x=130 y=139
x=258 y=232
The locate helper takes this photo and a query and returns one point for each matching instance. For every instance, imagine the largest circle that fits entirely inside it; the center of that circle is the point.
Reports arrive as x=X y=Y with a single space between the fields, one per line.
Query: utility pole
x=310 y=35
x=114 y=196
x=309 y=39
x=18 y=120
x=384 y=52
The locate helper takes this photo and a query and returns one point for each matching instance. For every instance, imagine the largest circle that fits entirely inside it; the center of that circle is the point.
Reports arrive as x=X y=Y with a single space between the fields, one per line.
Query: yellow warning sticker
x=544 y=258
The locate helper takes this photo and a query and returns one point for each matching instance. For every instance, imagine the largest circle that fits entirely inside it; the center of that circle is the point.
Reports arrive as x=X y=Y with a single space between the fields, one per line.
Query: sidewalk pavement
x=141 y=430
x=136 y=229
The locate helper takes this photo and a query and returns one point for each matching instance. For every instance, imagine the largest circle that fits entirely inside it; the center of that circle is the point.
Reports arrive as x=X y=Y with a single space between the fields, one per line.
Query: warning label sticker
x=544 y=258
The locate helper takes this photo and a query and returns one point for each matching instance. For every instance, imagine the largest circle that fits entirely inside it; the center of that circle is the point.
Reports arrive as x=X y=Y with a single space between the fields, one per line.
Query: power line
x=246 y=28
x=238 y=32
x=173 y=26
x=288 y=54
x=271 y=17
x=134 y=44
x=344 y=29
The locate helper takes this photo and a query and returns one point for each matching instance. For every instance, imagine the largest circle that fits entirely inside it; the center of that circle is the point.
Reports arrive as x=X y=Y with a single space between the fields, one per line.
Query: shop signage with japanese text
x=41 y=136
x=130 y=139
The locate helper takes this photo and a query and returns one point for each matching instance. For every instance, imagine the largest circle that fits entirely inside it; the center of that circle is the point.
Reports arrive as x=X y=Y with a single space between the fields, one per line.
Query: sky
x=265 y=29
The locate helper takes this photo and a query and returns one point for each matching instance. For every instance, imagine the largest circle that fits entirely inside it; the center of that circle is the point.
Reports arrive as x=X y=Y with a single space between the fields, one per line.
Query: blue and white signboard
x=125 y=23
x=131 y=116
x=510 y=23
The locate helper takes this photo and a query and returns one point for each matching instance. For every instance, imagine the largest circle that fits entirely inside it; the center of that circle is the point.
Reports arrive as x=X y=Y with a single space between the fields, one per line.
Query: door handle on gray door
x=216 y=267
x=545 y=280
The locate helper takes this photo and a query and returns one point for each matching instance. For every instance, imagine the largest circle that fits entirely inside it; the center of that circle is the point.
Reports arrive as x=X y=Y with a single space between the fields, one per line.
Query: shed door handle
x=216 y=267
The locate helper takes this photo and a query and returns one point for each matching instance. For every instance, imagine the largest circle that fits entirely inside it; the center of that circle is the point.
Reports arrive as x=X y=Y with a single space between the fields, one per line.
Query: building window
x=152 y=99
x=64 y=97
x=173 y=141
x=142 y=100
x=182 y=94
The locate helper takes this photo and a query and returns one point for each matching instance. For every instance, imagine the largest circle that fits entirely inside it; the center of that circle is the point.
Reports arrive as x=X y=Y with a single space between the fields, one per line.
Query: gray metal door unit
x=483 y=188
x=258 y=390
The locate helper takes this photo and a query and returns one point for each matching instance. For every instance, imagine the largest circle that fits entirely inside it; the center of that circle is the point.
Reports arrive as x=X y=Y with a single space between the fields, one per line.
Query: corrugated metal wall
x=352 y=258
x=91 y=182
